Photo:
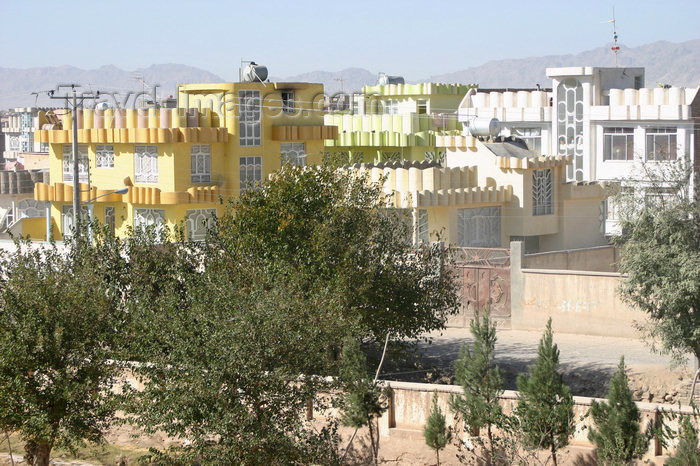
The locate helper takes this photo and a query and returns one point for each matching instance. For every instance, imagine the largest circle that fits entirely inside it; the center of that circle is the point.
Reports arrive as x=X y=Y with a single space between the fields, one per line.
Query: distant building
x=18 y=132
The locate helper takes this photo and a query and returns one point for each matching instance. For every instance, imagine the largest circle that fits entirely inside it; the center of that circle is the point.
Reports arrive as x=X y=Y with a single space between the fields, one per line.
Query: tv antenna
x=615 y=47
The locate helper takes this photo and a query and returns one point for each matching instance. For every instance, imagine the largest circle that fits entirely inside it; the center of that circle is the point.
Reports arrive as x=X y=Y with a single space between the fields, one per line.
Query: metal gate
x=484 y=274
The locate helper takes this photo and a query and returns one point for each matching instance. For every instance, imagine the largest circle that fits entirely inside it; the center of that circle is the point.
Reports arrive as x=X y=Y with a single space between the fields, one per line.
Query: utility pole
x=73 y=102
x=76 y=166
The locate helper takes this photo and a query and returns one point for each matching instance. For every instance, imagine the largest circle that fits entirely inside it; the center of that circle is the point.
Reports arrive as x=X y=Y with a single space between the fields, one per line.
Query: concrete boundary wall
x=594 y=259
x=577 y=301
x=410 y=403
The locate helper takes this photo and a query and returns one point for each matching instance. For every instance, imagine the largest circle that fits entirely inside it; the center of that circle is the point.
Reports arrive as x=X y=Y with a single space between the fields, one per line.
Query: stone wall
x=595 y=259
x=577 y=301
x=410 y=403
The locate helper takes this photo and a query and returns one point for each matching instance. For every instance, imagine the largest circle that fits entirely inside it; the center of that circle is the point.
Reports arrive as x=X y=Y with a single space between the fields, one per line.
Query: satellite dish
x=102 y=106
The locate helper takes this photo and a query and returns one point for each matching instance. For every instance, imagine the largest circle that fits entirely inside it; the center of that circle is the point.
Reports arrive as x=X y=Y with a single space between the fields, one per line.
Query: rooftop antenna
x=615 y=48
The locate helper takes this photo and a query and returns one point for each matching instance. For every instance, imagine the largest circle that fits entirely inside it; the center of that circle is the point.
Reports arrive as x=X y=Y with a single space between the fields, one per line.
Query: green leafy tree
x=363 y=398
x=660 y=253
x=481 y=381
x=545 y=405
x=60 y=325
x=617 y=436
x=437 y=434
x=332 y=227
x=234 y=331
x=688 y=450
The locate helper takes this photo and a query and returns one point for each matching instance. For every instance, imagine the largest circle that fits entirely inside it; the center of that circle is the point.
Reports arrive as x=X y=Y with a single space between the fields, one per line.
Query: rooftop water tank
x=385 y=79
x=484 y=127
x=254 y=73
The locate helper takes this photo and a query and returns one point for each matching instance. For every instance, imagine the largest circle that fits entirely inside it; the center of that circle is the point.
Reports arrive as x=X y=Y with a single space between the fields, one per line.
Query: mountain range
x=677 y=64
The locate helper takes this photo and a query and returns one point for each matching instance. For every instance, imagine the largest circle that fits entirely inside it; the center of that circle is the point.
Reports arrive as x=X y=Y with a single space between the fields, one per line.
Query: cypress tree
x=617 y=436
x=545 y=405
x=435 y=431
x=481 y=381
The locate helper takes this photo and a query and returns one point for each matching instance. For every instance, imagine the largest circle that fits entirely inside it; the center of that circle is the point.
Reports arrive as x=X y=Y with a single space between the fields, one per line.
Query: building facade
x=395 y=122
x=18 y=133
x=602 y=117
x=180 y=165
x=488 y=193
x=612 y=127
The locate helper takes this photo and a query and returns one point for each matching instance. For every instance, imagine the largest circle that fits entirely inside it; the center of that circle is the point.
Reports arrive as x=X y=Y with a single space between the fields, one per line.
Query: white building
x=19 y=132
x=604 y=118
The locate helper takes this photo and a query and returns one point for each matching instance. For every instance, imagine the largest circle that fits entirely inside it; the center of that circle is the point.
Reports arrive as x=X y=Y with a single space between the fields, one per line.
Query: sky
x=411 y=38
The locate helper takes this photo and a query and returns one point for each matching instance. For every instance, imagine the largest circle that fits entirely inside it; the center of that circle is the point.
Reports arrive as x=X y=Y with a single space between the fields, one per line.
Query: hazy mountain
x=666 y=62
x=17 y=84
x=353 y=79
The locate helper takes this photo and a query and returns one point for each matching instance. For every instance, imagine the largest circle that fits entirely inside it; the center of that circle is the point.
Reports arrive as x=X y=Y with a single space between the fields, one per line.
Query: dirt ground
x=586 y=363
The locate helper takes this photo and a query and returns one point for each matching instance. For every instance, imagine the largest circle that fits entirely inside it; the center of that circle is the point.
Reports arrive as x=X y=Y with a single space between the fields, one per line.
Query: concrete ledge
x=572 y=272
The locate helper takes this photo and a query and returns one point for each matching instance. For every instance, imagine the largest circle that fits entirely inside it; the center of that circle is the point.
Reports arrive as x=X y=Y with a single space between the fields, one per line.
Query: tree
x=481 y=381
x=688 y=450
x=235 y=331
x=660 y=253
x=362 y=402
x=545 y=405
x=437 y=434
x=617 y=436
x=332 y=226
x=60 y=325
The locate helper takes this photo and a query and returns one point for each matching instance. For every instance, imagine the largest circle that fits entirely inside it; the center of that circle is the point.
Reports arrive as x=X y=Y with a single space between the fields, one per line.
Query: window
x=618 y=144
x=249 y=118
x=149 y=217
x=480 y=227
x=661 y=144
x=294 y=153
x=391 y=106
x=82 y=163
x=146 y=164
x=200 y=163
x=67 y=217
x=199 y=222
x=542 y=192
x=530 y=136
x=288 y=101
x=250 y=172
x=423 y=232
x=422 y=107
x=30 y=208
x=570 y=126
x=109 y=218
x=391 y=156
x=43 y=147
x=104 y=156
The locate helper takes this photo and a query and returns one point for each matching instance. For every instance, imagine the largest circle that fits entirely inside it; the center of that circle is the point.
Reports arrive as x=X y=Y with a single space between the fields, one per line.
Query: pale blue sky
x=413 y=38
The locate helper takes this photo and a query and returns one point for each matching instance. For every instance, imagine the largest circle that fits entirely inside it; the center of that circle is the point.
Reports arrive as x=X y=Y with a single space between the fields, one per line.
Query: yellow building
x=180 y=164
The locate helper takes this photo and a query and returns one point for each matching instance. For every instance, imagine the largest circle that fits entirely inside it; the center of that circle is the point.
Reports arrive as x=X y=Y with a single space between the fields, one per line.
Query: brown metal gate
x=484 y=274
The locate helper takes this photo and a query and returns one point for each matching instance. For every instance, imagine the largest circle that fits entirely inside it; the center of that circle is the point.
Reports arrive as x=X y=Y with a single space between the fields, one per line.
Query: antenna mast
x=615 y=48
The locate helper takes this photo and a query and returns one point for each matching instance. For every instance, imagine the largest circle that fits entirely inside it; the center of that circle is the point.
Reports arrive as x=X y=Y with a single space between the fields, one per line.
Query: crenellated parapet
x=61 y=192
